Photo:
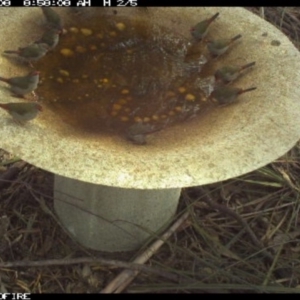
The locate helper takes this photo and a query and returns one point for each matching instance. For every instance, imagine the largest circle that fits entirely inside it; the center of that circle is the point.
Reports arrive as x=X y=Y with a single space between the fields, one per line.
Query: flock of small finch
x=22 y=85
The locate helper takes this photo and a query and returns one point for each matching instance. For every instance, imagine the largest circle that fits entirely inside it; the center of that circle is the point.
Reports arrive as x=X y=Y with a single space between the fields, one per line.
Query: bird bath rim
x=229 y=142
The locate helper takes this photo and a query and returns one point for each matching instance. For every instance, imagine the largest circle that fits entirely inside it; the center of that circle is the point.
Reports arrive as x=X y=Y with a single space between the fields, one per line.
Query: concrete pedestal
x=112 y=219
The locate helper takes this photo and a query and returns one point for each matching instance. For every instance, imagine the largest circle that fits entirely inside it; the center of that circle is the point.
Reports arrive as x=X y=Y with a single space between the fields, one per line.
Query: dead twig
x=127 y=276
x=90 y=260
x=262 y=12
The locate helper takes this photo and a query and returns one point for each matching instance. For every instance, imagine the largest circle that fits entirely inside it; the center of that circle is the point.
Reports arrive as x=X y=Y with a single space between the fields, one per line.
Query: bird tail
x=11 y=52
x=236 y=38
x=248 y=65
x=249 y=89
x=213 y=17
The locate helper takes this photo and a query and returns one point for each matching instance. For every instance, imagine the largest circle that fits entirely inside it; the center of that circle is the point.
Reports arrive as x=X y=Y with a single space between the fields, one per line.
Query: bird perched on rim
x=230 y=73
x=30 y=53
x=22 y=112
x=50 y=38
x=200 y=30
x=219 y=47
x=53 y=19
x=23 y=85
x=225 y=94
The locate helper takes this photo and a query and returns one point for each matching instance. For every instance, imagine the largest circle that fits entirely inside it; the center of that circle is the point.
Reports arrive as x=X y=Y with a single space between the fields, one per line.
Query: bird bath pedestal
x=112 y=195
x=112 y=218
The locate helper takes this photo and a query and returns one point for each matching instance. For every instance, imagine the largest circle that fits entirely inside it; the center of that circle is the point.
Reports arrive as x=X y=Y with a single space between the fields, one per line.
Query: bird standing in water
x=138 y=132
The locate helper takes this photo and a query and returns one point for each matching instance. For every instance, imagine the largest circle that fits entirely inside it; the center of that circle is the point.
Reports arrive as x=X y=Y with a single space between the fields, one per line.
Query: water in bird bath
x=119 y=75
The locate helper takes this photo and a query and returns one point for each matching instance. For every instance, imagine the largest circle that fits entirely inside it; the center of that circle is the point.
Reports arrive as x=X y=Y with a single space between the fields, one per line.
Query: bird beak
x=39 y=107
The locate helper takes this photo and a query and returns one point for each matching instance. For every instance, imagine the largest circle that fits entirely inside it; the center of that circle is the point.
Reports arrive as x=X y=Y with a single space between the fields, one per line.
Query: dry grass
x=242 y=235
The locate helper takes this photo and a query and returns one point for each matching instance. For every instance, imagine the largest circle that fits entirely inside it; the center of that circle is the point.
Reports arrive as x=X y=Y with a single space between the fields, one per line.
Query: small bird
x=77 y=10
x=22 y=112
x=200 y=30
x=23 y=85
x=52 y=18
x=224 y=94
x=229 y=73
x=219 y=47
x=30 y=53
x=137 y=133
x=50 y=38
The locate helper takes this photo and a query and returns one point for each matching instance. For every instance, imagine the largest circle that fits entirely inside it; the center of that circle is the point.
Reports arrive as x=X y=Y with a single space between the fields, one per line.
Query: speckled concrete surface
x=229 y=142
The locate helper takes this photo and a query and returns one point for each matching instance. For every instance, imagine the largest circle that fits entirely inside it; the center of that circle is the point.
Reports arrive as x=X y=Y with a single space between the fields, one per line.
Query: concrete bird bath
x=109 y=193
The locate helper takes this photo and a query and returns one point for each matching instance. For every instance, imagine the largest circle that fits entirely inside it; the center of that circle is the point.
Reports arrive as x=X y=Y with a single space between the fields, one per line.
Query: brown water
x=121 y=75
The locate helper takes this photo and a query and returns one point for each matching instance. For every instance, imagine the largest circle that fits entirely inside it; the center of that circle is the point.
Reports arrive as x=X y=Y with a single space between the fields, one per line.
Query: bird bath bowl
x=109 y=193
